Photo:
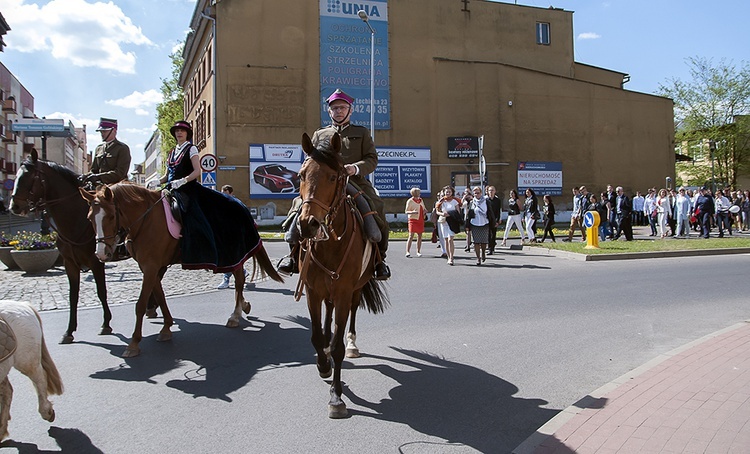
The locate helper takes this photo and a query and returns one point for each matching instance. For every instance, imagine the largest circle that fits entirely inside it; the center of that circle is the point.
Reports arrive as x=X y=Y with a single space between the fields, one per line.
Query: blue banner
x=400 y=169
x=345 y=47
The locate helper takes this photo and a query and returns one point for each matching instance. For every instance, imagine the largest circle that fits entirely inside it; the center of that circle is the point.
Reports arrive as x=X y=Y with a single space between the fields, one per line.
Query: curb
x=646 y=255
x=529 y=445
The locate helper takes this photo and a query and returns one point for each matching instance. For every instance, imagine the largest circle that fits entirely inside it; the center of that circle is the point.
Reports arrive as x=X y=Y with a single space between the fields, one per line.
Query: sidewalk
x=694 y=399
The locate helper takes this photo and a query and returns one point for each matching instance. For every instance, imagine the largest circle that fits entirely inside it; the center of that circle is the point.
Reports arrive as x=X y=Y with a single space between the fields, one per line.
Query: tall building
x=17 y=102
x=450 y=77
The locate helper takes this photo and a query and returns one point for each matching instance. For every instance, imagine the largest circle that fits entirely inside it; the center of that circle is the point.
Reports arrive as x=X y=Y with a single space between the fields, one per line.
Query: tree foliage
x=170 y=109
x=710 y=107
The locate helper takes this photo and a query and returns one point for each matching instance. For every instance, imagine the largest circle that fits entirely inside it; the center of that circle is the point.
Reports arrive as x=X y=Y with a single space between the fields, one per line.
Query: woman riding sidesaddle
x=218 y=231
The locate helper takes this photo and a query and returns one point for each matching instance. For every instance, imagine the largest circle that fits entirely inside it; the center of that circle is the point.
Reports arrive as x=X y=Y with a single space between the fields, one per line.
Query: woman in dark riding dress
x=218 y=231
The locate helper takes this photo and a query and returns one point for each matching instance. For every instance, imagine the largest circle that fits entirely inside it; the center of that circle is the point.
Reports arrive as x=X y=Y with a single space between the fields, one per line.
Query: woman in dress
x=531 y=213
x=480 y=224
x=449 y=220
x=465 y=205
x=662 y=208
x=415 y=212
x=218 y=231
x=514 y=217
x=549 y=218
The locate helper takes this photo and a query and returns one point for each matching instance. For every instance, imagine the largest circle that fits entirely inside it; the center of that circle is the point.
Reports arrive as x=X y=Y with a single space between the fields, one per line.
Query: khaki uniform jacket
x=357 y=148
x=111 y=162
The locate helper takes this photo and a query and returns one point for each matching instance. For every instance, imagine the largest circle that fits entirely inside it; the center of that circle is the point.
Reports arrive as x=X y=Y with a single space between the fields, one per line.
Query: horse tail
x=262 y=261
x=54 y=381
x=374 y=296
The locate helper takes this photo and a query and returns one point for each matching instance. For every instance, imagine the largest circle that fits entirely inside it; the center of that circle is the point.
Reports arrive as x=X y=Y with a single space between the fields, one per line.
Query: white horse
x=22 y=346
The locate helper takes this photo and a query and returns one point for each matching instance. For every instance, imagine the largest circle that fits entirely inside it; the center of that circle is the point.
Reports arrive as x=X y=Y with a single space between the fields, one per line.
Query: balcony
x=9 y=105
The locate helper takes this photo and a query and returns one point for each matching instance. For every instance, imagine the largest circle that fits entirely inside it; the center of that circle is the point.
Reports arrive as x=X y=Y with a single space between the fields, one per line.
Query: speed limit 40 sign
x=209 y=162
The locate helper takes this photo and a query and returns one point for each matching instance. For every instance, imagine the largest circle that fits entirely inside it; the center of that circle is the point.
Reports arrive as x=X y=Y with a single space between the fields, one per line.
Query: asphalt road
x=467 y=359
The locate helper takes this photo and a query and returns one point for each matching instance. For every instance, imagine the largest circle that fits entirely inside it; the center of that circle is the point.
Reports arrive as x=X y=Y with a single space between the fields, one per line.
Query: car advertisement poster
x=542 y=177
x=274 y=170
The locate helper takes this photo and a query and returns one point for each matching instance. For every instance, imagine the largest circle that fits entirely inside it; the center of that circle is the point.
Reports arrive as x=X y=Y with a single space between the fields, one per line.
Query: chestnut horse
x=140 y=213
x=336 y=261
x=42 y=185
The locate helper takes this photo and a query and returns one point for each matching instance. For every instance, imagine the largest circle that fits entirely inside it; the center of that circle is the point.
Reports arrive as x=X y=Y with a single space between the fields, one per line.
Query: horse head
x=104 y=219
x=322 y=184
x=28 y=189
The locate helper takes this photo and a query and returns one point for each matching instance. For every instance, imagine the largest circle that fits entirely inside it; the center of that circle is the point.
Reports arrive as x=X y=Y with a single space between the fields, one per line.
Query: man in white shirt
x=722 y=205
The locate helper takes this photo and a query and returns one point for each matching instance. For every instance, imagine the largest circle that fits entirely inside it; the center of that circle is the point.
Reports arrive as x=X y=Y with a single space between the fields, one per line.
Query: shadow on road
x=71 y=441
x=217 y=360
x=458 y=403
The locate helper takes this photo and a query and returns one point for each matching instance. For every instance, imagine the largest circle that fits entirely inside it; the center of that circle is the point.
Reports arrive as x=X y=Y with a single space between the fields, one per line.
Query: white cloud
x=138 y=101
x=589 y=35
x=85 y=34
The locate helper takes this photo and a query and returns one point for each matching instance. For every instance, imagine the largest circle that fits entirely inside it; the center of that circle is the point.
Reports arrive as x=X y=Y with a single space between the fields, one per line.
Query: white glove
x=153 y=184
x=176 y=184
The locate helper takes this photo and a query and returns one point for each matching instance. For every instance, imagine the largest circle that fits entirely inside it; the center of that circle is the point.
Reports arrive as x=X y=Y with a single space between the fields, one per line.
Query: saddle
x=367 y=217
x=7 y=341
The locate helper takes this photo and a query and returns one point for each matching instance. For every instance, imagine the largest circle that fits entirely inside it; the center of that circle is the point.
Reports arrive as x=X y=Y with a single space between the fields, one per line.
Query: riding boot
x=288 y=265
x=382 y=271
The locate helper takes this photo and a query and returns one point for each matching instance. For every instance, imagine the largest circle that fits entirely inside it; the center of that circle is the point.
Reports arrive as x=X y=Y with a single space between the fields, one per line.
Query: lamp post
x=712 y=149
x=363 y=15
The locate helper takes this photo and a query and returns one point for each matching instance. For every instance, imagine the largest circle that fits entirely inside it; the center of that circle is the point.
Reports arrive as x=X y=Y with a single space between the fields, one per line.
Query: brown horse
x=336 y=261
x=42 y=185
x=140 y=213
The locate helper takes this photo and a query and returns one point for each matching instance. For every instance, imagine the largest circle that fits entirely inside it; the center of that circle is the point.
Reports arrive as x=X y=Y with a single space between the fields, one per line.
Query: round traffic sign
x=590 y=219
x=8 y=184
x=209 y=162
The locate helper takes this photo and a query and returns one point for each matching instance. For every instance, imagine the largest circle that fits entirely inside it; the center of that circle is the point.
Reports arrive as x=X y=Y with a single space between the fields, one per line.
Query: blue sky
x=83 y=59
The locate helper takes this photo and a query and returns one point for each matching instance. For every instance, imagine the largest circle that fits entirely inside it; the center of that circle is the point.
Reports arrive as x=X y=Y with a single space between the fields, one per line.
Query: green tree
x=170 y=109
x=709 y=109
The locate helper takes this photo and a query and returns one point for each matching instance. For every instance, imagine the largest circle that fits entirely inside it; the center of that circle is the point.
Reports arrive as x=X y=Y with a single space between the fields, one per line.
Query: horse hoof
x=51 y=417
x=67 y=339
x=337 y=411
x=232 y=323
x=352 y=353
x=151 y=313
x=105 y=330
x=246 y=308
x=131 y=352
x=326 y=374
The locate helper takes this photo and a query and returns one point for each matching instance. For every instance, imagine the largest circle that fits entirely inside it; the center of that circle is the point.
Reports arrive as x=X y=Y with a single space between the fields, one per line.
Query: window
x=542 y=33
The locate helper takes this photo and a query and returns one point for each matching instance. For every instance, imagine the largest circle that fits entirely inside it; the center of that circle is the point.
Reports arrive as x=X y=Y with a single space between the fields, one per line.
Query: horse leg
x=97 y=269
x=74 y=286
x=33 y=369
x=314 y=302
x=157 y=294
x=151 y=307
x=328 y=322
x=336 y=406
x=6 y=396
x=352 y=351
x=240 y=305
x=150 y=279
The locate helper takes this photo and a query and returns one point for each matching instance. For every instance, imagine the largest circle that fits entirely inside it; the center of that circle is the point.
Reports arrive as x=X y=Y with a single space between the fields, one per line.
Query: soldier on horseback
x=360 y=159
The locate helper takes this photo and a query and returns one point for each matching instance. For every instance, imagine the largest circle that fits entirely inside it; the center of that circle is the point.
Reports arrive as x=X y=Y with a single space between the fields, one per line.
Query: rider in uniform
x=111 y=158
x=360 y=159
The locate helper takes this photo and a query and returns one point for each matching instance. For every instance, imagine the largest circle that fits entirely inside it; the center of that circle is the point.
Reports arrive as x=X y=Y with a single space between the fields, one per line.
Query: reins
x=308 y=245
x=126 y=230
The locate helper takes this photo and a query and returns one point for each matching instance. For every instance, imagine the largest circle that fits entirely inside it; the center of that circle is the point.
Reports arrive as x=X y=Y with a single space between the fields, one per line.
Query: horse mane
x=66 y=174
x=325 y=155
x=130 y=191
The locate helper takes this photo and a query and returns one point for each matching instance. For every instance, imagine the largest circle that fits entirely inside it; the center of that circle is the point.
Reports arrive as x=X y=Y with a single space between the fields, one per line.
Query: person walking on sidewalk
x=549 y=218
x=704 y=211
x=514 y=217
x=495 y=205
x=415 y=212
x=530 y=213
x=480 y=224
x=721 y=205
x=449 y=217
x=623 y=215
x=576 y=217
x=682 y=211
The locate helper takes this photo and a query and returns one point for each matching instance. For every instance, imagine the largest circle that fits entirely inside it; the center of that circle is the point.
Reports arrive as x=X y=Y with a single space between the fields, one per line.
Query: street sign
x=38 y=124
x=8 y=184
x=209 y=162
x=208 y=179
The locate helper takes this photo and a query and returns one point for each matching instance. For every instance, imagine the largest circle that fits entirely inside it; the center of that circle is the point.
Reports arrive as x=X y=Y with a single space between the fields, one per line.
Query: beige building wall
x=452 y=73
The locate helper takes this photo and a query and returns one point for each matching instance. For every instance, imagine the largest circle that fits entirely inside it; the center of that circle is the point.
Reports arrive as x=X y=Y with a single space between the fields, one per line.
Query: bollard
x=591 y=221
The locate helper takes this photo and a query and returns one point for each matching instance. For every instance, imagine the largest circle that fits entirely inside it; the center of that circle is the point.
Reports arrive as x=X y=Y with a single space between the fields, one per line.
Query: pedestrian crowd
x=669 y=212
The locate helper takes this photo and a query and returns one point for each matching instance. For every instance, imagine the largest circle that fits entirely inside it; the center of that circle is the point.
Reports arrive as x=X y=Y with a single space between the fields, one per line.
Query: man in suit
x=623 y=208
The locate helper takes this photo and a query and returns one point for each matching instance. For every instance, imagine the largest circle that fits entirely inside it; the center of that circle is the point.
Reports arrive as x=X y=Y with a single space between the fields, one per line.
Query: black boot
x=382 y=272
x=288 y=266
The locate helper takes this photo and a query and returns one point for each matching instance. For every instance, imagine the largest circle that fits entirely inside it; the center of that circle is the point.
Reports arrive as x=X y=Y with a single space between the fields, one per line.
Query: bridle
x=124 y=232
x=332 y=210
